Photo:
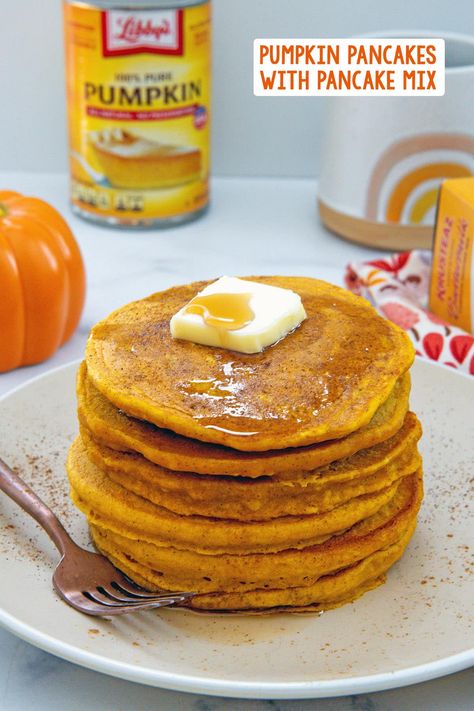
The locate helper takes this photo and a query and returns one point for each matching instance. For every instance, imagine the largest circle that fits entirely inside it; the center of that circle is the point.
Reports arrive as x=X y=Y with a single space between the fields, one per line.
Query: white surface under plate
x=415 y=627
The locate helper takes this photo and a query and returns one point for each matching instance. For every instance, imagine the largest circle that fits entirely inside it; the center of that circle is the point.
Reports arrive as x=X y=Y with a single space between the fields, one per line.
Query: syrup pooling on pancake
x=228 y=388
x=211 y=388
x=323 y=381
x=113 y=428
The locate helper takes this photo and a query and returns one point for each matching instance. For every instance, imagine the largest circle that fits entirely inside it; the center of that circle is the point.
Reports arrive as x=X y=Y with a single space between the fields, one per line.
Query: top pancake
x=322 y=382
x=113 y=428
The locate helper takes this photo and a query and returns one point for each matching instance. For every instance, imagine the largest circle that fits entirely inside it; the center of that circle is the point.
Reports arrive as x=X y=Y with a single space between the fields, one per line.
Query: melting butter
x=238 y=315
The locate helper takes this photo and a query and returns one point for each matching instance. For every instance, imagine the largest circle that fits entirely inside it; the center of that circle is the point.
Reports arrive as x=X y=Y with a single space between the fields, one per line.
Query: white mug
x=385 y=157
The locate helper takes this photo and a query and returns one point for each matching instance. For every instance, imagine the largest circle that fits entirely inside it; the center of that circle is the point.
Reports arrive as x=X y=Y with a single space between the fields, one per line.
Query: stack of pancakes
x=284 y=479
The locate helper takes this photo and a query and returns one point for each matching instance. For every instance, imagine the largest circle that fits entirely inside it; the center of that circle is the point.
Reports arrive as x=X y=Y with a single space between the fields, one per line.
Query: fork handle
x=18 y=490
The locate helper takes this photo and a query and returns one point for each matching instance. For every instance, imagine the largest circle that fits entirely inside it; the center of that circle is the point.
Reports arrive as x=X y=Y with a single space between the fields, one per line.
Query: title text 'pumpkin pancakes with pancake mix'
x=249 y=440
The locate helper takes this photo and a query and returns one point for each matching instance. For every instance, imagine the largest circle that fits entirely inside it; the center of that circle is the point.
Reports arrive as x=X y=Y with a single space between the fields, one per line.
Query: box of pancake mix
x=452 y=276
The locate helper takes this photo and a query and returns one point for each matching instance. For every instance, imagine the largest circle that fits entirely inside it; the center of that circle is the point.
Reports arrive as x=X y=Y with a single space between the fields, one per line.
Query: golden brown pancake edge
x=323 y=381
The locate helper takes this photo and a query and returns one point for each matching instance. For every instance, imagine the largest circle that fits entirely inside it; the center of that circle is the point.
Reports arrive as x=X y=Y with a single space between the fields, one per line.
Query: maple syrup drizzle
x=210 y=387
x=240 y=433
x=226 y=312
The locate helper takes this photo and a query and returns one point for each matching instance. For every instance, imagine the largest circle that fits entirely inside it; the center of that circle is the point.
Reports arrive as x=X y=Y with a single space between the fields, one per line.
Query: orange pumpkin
x=42 y=281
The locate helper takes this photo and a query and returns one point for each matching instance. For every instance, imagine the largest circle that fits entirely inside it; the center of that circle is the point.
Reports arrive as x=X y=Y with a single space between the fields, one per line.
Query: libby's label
x=138 y=91
x=158 y=32
x=452 y=276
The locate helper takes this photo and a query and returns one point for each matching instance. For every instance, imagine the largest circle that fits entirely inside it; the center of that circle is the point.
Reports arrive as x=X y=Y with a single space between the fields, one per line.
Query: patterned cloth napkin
x=398 y=288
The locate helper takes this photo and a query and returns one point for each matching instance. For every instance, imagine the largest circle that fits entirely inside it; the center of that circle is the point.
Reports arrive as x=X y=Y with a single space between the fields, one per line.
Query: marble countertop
x=254 y=226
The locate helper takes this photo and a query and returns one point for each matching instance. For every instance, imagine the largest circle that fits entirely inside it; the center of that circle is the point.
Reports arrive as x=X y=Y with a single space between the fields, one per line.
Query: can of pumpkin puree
x=138 y=91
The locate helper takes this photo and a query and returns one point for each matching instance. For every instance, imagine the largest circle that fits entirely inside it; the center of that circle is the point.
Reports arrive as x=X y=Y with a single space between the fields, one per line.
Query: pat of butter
x=239 y=315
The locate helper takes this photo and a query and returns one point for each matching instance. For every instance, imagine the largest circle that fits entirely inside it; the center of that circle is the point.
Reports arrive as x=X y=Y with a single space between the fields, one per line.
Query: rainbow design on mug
x=404 y=184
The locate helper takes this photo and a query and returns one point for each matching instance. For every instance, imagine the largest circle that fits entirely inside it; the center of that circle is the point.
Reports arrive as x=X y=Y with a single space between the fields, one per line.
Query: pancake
x=120 y=510
x=336 y=588
x=112 y=428
x=247 y=499
x=317 y=607
x=187 y=570
x=283 y=480
x=330 y=590
x=321 y=382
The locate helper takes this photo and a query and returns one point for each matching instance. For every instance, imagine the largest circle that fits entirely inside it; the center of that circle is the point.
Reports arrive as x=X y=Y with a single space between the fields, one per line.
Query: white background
x=252 y=136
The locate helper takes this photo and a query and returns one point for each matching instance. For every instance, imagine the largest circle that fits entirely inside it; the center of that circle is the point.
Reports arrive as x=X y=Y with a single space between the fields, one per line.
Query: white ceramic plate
x=415 y=627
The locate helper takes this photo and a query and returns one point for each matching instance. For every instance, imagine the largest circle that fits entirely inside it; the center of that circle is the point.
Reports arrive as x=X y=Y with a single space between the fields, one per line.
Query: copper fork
x=86 y=581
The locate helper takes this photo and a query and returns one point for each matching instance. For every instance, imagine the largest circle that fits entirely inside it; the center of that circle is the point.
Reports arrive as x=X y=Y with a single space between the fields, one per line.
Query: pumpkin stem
x=3 y=210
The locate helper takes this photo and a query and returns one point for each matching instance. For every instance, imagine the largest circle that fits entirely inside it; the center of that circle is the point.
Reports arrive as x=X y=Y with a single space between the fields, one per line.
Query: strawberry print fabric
x=398 y=287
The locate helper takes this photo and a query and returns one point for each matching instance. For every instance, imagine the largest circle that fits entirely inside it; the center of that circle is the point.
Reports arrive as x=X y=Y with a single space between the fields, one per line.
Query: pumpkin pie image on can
x=132 y=161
